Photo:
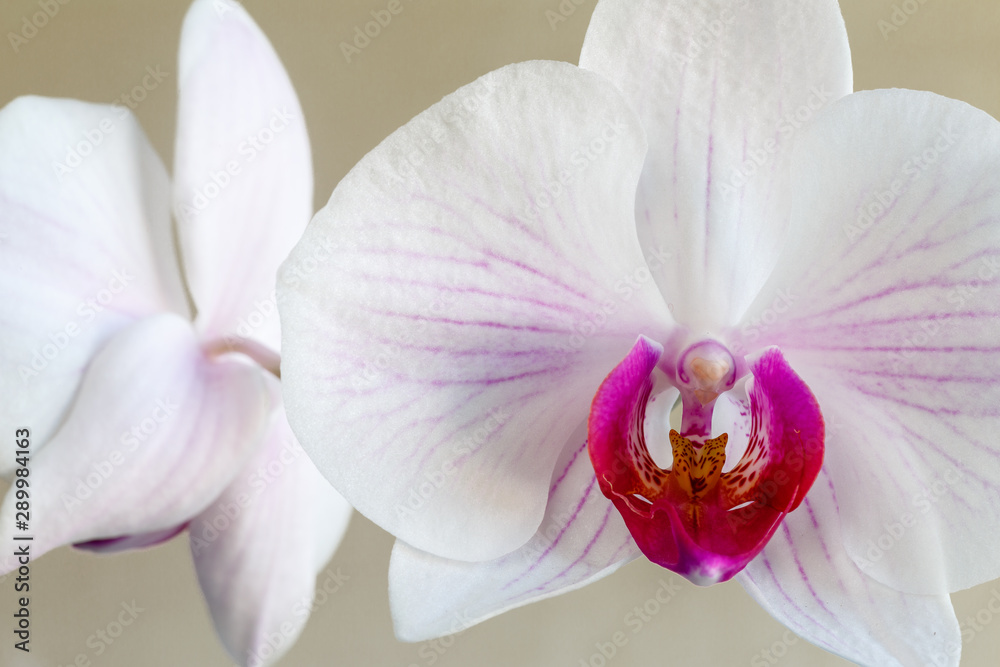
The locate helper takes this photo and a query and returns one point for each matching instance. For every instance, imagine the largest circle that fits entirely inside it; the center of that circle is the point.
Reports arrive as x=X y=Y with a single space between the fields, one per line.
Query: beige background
x=98 y=49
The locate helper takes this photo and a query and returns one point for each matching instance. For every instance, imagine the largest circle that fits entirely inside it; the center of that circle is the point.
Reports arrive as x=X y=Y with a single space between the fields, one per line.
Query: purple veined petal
x=888 y=303
x=722 y=88
x=258 y=548
x=808 y=581
x=85 y=250
x=113 y=545
x=582 y=539
x=242 y=171
x=156 y=432
x=450 y=312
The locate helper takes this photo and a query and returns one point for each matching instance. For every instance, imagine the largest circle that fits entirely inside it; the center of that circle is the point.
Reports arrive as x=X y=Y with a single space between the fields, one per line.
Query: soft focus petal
x=888 y=304
x=806 y=580
x=721 y=87
x=85 y=249
x=581 y=540
x=242 y=170
x=257 y=549
x=129 y=542
x=450 y=312
x=155 y=434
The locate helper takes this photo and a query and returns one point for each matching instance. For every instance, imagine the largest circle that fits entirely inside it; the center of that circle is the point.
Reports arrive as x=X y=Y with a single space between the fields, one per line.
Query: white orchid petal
x=807 y=580
x=155 y=434
x=582 y=539
x=721 y=87
x=258 y=548
x=445 y=326
x=889 y=307
x=85 y=249
x=242 y=170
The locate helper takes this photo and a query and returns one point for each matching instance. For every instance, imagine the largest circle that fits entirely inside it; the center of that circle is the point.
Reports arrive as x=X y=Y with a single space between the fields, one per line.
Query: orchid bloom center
x=695 y=517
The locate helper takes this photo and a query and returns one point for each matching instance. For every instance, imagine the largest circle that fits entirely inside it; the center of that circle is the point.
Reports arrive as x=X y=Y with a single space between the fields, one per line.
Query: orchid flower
x=146 y=419
x=692 y=299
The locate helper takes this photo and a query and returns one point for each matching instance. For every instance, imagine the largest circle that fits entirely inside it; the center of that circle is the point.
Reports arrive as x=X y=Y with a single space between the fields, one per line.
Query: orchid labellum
x=144 y=419
x=660 y=303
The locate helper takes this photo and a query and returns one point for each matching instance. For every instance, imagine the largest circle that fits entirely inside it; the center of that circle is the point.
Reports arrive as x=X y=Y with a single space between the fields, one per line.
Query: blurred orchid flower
x=145 y=421
x=701 y=217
